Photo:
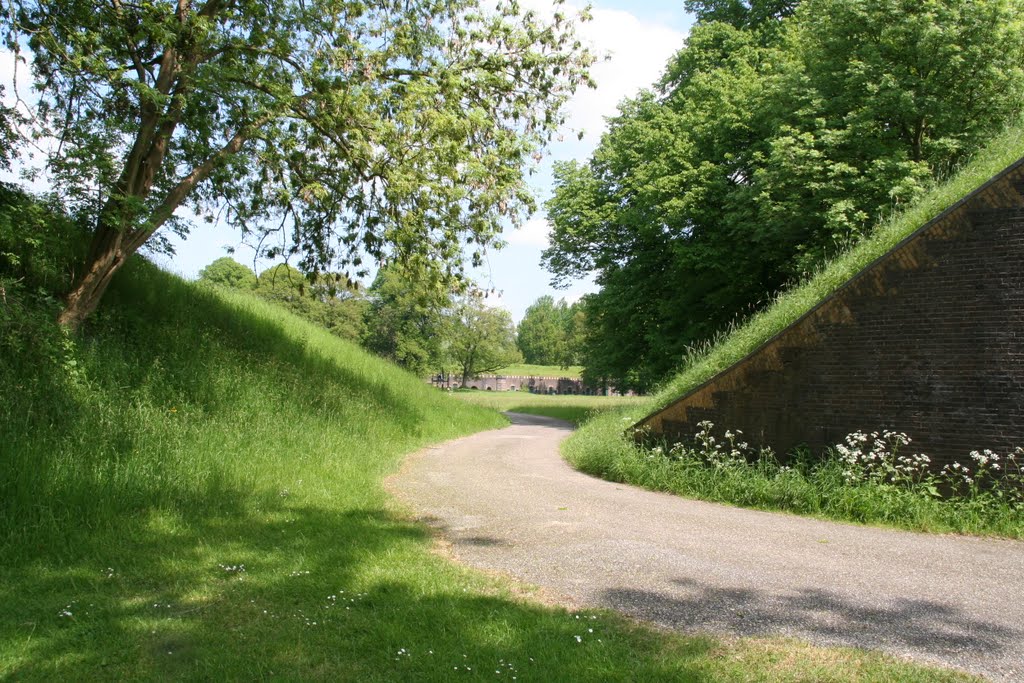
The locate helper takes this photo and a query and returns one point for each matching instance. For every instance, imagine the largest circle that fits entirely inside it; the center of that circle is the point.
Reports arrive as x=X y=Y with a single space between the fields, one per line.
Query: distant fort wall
x=532 y=384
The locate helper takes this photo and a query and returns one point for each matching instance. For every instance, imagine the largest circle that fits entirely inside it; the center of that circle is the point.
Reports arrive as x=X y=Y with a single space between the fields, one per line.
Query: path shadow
x=927 y=628
x=538 y=420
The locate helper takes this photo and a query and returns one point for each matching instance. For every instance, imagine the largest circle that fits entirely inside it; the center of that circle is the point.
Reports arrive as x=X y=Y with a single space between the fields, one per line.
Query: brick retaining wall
x=927 y=340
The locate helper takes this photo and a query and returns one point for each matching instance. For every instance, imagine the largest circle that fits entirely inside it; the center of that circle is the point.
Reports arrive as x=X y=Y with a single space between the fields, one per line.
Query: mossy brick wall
x=927 y=340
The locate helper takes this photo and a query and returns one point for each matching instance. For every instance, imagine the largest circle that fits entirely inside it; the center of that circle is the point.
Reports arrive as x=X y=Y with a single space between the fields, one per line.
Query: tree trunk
x=107 y=254
x=111 y=246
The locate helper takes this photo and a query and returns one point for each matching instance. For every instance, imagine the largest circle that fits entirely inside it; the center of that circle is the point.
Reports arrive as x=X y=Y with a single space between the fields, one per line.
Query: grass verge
x=809 y=486
x=575 y=409
x=191 y=490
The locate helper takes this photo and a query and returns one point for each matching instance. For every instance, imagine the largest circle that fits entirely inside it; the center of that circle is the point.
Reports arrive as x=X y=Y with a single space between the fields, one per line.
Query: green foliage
x=398 y=131
x=706 y=360
x=228 y=272
x=482 y=338
x=192 y=488
x=604 y=448
x=551 y=333
x=741 y=13
x=199 y=497
x=764 y=153
x=318 y=299
x=38 y=243
x=407 y=321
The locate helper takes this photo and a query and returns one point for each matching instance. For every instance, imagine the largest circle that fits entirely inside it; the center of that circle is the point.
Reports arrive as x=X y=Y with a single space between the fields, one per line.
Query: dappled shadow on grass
x=323 y=596
x=920 y=628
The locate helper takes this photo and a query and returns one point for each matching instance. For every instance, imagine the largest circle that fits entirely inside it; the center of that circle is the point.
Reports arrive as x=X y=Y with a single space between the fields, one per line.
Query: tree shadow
x=316 y=600
x=923 y=628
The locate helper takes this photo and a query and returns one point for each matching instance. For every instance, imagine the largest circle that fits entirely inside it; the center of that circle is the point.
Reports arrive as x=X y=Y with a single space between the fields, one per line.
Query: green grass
x=189 y=433
x=793 y=303
x=575 y=409
x=526 y=370
x=602 y=448
x=809 y=486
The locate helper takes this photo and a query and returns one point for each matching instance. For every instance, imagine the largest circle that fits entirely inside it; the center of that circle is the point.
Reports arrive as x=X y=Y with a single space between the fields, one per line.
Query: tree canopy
x=356 y=130
x=228 y=272
x=549 y=333
x=768 y=146
x=408 y=323
x=483 y=337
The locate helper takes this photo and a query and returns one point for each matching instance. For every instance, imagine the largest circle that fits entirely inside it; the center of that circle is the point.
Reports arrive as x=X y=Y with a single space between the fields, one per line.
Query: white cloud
x=637 y=51
x=534 y=233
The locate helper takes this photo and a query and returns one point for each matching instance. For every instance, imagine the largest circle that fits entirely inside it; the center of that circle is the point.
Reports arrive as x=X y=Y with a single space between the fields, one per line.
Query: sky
x=638 y=36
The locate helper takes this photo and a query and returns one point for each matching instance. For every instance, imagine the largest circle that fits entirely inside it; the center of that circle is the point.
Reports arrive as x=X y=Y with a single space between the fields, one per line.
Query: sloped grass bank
x=602 y=448
x=191 y=490
x=793 y=303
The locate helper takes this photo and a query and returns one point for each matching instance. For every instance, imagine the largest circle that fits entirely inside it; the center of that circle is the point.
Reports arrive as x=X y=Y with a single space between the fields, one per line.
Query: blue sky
x=638 y=36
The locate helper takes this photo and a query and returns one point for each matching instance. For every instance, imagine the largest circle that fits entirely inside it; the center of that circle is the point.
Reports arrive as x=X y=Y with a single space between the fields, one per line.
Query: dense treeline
x=778 y=135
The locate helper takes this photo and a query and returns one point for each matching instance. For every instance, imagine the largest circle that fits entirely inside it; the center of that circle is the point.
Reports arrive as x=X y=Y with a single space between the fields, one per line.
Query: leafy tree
x=396 y=131
x=340 y=310
x=228 y=272
x=9 y=119
x=550 y=332
x=406 y=322
x=483 y=338
x=756 y=159
x=541 y=332
x=741 y=13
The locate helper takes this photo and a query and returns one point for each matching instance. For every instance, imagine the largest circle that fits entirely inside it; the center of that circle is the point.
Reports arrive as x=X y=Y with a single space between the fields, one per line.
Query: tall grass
x=191 y=490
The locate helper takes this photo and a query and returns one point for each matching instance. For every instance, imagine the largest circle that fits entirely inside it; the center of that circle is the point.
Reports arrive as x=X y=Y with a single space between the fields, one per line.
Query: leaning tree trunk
x=108 y=252
x=112 y=245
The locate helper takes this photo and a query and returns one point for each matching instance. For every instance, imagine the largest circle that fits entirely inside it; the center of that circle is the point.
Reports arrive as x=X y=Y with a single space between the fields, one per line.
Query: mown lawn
x=575 y=409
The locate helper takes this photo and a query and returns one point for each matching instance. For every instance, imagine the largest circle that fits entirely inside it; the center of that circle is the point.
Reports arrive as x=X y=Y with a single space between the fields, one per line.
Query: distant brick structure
x=927 y=340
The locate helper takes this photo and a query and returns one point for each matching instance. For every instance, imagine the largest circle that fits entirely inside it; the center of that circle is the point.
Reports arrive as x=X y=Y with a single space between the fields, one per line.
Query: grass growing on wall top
x=601 y=447
x=191 y=490
x=732 y=347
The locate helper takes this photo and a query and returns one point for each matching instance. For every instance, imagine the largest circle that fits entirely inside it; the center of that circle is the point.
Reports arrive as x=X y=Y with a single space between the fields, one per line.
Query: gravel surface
x=507 y=502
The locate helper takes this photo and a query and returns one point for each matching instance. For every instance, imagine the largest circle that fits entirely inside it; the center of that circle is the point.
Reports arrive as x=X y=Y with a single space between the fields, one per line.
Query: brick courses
x=927 y=340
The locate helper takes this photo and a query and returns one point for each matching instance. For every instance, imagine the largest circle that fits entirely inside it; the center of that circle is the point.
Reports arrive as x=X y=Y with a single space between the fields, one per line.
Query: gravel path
x=507 y=502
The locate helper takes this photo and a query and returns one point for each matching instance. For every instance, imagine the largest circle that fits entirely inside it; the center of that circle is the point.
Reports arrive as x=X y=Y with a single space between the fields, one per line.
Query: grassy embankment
x=602 y=448
x=191 y=490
